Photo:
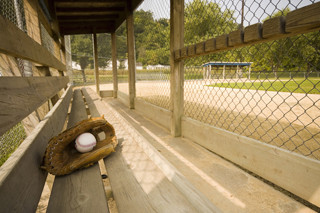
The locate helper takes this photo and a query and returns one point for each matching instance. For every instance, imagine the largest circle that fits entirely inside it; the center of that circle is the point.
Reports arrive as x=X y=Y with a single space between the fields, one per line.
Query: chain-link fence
x=82 y=60
x=13 y=10
x=10 y=141
x=152 y=36
x=268 y=91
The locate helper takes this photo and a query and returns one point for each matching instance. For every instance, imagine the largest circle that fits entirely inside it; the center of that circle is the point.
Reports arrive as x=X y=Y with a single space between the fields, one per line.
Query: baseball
x=85 y=142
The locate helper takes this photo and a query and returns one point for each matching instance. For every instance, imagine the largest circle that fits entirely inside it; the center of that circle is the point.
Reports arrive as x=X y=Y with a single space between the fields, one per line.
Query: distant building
x=158 y=66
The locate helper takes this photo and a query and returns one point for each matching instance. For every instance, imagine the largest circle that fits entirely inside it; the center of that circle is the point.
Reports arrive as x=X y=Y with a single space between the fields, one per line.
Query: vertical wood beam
x=177 y=69
x=114 y=64
x=95 y=60
x=131 y=59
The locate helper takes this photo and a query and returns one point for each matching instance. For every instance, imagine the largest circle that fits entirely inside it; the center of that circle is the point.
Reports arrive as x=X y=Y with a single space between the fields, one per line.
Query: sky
x=254 y=10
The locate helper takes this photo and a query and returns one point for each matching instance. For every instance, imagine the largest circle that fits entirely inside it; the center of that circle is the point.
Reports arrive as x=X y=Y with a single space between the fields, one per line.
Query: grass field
x=299 y=85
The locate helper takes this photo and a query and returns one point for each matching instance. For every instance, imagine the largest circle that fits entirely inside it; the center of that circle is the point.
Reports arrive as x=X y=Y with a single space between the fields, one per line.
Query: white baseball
x=85 y=142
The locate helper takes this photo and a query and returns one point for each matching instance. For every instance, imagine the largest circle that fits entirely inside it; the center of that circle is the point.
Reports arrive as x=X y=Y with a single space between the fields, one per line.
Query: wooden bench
x=137 y=183
x=22 y=180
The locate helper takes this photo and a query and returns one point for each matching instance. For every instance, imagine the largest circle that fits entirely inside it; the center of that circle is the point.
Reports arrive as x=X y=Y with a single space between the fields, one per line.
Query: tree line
x=203 y=20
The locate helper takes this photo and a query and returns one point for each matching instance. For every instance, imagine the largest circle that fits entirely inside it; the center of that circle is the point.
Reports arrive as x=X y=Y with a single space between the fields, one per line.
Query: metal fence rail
x=275 y=99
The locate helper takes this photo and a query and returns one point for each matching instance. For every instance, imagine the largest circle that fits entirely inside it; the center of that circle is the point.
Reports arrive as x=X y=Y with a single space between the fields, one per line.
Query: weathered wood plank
x=210 y=45
x=273 y=27
x=21 y=96
x=83 y=190
x=199 y=48
x=21 y=179
x=106 y=93
x=177 y=54
x=184 y=52
x=177 y=67
x=191 y=50
x=303 y=19
x=130 y=171
x=293 y=172
x=222 y=42
x=253 y=33
x=140 y=135
x=131 y=59
x=235 y=38
x=114 y=64
x=95 y=61
x=16 y=43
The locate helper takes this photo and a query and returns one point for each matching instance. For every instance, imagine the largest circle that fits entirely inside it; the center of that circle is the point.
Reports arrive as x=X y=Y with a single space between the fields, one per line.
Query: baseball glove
x=62 y=158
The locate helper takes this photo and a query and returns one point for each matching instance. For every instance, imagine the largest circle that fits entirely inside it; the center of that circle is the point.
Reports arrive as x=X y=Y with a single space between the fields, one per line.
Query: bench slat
x=83 y=190
x=21 y=179
x=138 y=184
x=21 y=96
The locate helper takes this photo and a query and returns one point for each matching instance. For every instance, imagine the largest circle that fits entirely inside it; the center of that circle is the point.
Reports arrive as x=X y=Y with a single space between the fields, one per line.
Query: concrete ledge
x=293 y=172
x=157 y=114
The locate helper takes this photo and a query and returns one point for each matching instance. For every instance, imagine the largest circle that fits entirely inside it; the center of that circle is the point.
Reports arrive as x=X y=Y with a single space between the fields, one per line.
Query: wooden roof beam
x=88 y=3
x=86 y=18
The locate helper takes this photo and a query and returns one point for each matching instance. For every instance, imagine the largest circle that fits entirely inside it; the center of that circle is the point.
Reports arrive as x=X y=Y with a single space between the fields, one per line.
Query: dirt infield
x=287 y=120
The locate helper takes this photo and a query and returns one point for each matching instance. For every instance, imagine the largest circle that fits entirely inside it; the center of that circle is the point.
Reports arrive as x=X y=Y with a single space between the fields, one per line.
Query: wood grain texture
x=184 y=52
x=222 y=42
x=235 y=38
x=21 y=96
x=301 y=21
x=191 y=50
x=106 y=93
x=21 y=179
x=177 y=54
x=273 y=27
x=16 y=43
x=177 y=67
x=83 y=190
x=114 y=64
x=131 y=59
x=138 y=184
x=253 y=32
x=199 y=48
x=293 y=172
x=138 y=132
x=305 y=18
x=210 y=45
x=96 y=63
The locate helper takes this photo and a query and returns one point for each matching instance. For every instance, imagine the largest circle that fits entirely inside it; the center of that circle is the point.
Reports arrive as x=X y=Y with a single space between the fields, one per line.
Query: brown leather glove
x=62 y=158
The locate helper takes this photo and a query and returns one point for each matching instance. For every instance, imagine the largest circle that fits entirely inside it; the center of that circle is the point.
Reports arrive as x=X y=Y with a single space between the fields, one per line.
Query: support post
x=224 y=72
x=177 y=68
x=131 y=59
x=249 y=72
x=114 y=64
x=95 y=60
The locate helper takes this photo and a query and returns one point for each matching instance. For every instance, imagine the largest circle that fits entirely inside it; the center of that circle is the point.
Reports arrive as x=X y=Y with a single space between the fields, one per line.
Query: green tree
x=82 y=50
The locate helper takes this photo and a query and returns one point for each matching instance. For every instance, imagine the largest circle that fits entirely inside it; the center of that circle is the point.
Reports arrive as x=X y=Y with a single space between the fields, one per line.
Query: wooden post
x=177 y=69
x=131 y=59
x=114 y=64
x=95 y=60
